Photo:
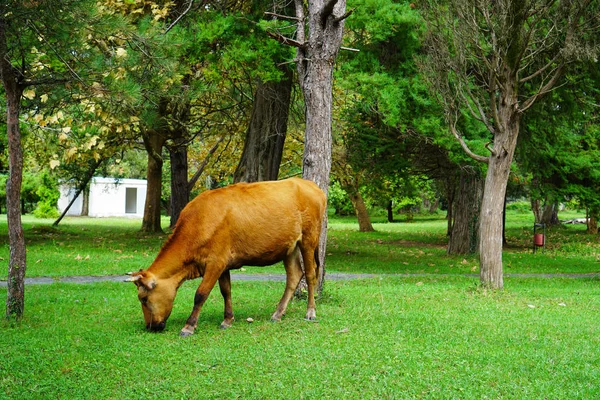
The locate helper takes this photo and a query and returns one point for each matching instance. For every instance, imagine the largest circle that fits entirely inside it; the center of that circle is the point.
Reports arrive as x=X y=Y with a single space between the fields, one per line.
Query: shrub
x=48 y=194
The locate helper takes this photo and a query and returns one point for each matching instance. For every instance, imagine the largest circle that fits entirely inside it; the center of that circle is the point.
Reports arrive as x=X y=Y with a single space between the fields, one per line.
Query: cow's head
x=157 y=298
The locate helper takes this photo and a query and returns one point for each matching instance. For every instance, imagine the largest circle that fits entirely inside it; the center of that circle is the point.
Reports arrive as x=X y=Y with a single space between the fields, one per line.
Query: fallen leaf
x=530 y=306
x=249 y=320
x=419 y=283
x=562 y=304
x=345 y=330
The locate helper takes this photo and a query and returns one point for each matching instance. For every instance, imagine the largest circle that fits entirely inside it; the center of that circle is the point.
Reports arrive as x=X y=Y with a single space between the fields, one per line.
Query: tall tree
x=39 y=44
x=319 y=32
x=495 y=60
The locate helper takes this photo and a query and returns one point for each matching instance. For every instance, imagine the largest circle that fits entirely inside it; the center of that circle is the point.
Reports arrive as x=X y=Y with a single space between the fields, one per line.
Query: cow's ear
x=142 y=278
x=148 y=280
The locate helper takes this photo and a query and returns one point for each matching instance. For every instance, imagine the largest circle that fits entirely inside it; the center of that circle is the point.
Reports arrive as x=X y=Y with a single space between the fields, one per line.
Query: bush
x=48 y=194
x=519 y=206
x=338 y=198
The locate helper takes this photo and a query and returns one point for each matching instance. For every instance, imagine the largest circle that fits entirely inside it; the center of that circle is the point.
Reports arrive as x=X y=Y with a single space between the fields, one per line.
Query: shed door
x=131 y=200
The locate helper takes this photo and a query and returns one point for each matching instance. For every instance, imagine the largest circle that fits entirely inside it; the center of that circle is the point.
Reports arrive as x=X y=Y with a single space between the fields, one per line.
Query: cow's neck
x=171 y=266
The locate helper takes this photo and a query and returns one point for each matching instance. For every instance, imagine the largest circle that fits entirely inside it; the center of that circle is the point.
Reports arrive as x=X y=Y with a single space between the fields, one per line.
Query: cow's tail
x=317 y=260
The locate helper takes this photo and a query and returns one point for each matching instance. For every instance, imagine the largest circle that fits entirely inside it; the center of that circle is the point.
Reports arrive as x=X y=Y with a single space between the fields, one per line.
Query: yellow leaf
x=71 y=152
x=44 y=98
x=66 y=129
x=60 y=115
x=63 y=137
x=29 y=94
x=54 y=164
x=121 y=52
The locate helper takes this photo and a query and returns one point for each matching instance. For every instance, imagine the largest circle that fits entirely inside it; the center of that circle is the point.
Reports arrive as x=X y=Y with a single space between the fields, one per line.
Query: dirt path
x=277 y=277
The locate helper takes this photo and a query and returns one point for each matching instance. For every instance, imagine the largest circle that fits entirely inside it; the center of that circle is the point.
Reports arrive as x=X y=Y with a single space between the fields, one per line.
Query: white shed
x=109 y=197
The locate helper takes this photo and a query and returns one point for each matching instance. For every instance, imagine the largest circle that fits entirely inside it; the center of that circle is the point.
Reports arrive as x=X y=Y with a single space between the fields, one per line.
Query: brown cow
x=254 y=224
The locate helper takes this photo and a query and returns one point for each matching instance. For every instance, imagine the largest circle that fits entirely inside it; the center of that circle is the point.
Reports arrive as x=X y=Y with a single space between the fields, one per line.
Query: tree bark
x=466 y=208
x=364 y=221
x=315 y=60
x=15 y=301
x=592 y=221
x=265 y=136
x=492 y=206
x=154 y=142
x=180 y=192
x=550 y=213
x=390 y=211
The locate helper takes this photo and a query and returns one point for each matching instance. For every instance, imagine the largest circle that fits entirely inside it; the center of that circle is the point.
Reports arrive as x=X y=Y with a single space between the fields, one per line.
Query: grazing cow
x=253 y=224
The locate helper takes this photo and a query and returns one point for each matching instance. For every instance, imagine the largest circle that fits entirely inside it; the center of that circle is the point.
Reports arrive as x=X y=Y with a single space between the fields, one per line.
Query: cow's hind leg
x=207 y=284
x=225 y=286
x=311 y=271
x=293 y=272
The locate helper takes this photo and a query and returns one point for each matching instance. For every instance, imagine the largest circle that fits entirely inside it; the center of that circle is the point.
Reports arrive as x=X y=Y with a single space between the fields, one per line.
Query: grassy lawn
x=86 y=246
x=376 y=338
x=437 y=336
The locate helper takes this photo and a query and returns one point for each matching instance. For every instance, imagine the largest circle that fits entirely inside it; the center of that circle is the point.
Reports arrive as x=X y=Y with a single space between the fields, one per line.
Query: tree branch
x=190 y=2
x=466 y=148
x=285 y=40
x=196 y=176
x=337 y=20
x=281 y=16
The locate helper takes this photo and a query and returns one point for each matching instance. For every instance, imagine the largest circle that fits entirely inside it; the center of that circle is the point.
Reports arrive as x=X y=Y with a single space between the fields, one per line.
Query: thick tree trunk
x=316 y=58
x=265 y=136
x=464 y=235
x=15 y=301
x=154 y=142
x=492 y=206
x=180 y=192
x=550 y=213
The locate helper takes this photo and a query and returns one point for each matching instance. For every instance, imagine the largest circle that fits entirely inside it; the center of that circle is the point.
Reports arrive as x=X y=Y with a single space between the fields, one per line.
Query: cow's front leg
x=225 y=286
x=208 y=282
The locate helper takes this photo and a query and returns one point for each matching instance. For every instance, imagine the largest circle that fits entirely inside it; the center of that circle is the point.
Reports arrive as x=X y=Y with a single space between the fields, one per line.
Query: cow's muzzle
x=156 y=327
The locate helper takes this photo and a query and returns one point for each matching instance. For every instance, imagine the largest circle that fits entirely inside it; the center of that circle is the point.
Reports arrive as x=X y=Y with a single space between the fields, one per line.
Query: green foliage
x=48 y=194
x=519 y=206
x=338 y=199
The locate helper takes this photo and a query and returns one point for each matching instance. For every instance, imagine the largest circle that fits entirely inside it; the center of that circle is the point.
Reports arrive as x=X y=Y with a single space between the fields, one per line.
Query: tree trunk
x=265 y=136
x=537 y=210
x=364 y=221
x=466 y=209
x=15 y=301
x=390 y=211
x=154 y=142
x=550 y=213
x=592 y=221
x=316 y=58
x=180 y=192
x=85 y=202
x=492 y=206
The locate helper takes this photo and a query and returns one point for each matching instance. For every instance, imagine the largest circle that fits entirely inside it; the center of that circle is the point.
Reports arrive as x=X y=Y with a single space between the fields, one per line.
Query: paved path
x=281 y=277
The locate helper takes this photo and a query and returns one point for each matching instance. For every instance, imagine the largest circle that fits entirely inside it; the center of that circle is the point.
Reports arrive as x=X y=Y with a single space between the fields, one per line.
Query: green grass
x=435 y=336
x=86 y=246
x=376 y=338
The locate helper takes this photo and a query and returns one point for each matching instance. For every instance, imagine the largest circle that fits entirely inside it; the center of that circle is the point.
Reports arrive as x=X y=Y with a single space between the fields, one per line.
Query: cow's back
x=255 y=223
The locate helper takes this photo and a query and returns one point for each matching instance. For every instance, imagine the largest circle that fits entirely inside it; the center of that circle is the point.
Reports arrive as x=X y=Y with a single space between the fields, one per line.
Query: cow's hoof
x=185 y=333
x=312 y=319
x=224 y=326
